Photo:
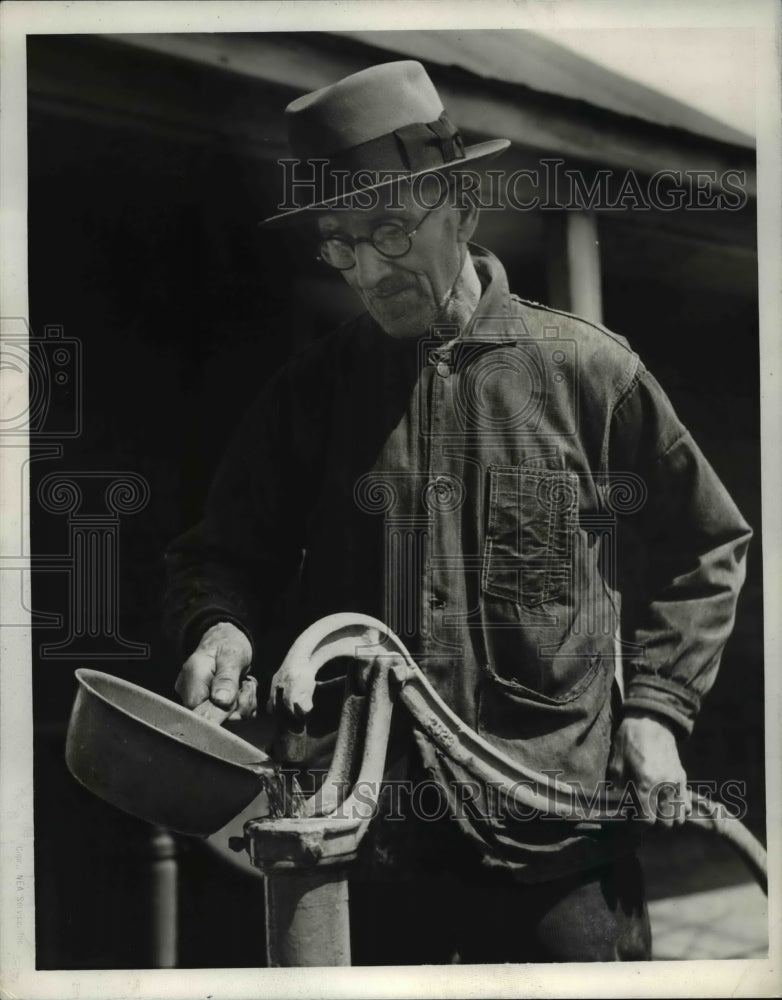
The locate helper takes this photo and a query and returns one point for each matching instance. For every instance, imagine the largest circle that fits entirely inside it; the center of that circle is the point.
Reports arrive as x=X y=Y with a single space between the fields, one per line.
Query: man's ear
x=468 y=220
x=468 y=216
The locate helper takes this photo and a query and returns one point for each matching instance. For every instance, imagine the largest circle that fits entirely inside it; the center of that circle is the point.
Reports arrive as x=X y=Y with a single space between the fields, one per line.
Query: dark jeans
x=486 y=917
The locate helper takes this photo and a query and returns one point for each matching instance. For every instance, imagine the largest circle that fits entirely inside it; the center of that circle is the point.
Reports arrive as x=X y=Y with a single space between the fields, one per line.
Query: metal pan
x=157 y=760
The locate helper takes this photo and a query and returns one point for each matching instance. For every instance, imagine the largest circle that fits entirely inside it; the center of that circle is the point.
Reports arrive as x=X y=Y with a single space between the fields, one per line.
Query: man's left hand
x=645 y=753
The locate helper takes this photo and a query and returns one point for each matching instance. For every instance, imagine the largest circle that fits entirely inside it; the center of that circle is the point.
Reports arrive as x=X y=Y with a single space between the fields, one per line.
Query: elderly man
x=491 y=478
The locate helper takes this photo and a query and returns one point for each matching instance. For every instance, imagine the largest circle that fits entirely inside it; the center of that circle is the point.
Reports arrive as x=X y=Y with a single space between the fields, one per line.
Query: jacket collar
x=497 y=319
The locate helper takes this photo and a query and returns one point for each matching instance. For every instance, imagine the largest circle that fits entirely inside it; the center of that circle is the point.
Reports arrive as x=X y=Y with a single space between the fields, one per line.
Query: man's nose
x=370 y=267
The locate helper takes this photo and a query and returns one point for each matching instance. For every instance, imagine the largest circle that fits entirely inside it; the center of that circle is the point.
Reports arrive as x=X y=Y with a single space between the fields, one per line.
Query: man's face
x=404 y=295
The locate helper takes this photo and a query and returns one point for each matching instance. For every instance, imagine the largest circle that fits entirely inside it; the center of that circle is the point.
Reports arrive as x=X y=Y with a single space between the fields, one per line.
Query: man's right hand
x=217 y=670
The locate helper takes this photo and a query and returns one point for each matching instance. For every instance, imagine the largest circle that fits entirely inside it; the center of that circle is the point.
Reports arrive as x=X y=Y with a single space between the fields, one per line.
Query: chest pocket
x=529 y=538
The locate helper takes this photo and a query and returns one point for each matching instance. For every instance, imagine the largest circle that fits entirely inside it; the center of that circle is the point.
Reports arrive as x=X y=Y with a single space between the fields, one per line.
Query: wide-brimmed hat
x=370 y=129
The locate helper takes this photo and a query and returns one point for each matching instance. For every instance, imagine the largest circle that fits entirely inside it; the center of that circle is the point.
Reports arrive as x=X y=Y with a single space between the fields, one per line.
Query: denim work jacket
x=497 y=495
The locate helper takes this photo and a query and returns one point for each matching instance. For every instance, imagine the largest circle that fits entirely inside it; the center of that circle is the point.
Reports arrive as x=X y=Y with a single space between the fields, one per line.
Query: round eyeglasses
x=390 y=239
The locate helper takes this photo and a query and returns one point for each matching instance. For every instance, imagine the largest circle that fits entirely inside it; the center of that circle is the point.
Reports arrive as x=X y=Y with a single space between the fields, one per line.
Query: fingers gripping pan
x=157 y=760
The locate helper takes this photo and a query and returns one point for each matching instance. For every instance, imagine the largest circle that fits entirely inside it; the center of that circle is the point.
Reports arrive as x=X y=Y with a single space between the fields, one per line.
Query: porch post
x=573 y=257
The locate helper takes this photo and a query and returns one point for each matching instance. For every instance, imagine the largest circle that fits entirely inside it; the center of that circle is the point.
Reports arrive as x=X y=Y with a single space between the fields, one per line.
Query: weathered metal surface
x=157 y=760
x=332 y=823
x=163 y=925
x=164 y=763
x=330 y=833
x=307 y=918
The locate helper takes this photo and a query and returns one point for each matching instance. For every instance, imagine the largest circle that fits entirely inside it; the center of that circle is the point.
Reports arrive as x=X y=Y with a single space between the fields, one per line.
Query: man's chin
x=403 y=332
x=404 y=325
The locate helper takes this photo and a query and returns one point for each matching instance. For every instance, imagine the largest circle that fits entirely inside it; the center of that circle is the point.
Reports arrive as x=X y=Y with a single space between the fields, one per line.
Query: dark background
x=144 y=245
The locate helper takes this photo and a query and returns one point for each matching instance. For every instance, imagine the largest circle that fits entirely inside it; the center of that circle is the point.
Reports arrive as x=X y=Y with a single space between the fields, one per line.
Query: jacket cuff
x=661 y=696
x=203 y=620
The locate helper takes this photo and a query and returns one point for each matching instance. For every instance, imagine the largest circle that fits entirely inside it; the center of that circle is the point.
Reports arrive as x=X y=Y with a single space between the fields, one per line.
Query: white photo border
x=18 y=976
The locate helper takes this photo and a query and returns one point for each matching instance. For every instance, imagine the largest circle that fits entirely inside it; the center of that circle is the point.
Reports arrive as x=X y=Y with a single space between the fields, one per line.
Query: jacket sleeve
x=692 y=544
x=234 y=565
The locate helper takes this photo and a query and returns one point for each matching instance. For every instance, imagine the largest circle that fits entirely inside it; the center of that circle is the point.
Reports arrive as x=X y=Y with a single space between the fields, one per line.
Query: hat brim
x=472 y=154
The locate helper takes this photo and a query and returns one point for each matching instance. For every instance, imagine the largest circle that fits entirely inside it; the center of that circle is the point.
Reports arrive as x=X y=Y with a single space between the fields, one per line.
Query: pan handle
x=212 y=713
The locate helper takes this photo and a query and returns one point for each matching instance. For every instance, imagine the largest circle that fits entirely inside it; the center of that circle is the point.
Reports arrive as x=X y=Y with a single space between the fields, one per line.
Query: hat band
x=408 y=150
x=418 y=146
